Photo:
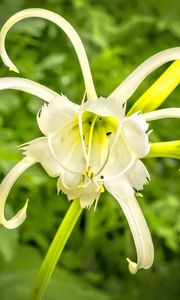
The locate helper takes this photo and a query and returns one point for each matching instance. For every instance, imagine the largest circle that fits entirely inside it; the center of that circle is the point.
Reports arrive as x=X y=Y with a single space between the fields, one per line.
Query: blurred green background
x=118 y=35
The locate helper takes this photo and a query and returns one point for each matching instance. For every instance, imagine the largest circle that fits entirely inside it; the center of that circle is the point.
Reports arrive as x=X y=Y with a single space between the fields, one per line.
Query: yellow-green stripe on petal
x=165 y=149
x=159 y=91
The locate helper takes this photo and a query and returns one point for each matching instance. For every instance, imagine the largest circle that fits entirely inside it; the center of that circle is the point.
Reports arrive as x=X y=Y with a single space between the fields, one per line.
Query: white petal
x=67 y=183
x=5 y=188
x=70 y=180
x=103 y=107
x=120 y=160
x=134 y=129
x=67 y=148
x=124 y=194
x=56 y=115
x=89 y=195
x=124 y=91
x=138 y=175
x=131 y=143
x=39 y=151
x=28 y=86
x=66 y=27
x=86 y=192
x=70 y=193
x=162 y=113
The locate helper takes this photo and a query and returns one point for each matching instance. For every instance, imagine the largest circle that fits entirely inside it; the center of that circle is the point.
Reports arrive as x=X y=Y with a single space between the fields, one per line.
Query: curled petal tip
x=5 y=188
x=133 y=268
x=21 y=215
x=18 y=219
x=14 y=69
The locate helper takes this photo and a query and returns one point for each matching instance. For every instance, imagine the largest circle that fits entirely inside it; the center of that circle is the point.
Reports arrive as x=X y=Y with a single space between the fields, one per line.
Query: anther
x=88 y=169
x=92 y=175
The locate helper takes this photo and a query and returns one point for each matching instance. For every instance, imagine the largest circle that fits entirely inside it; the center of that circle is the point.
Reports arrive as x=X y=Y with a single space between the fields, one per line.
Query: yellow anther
x=91 y=175
x=88 y=170
x=83 y=176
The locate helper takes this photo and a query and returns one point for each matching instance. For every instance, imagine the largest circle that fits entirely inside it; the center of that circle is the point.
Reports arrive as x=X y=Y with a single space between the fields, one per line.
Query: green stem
x=55 y=250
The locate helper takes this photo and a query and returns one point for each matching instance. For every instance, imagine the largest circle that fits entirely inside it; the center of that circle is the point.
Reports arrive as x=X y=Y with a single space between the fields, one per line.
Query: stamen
x=91 y=137
x=82 y=136
x=105 y=162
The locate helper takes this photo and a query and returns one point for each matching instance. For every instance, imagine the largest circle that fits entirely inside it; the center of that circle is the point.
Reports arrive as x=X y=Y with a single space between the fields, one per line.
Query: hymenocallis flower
x=91 y=146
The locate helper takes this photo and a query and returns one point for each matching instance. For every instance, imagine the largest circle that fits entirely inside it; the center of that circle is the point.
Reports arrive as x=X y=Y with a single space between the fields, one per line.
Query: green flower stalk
x=55 y=250
x=93 y=146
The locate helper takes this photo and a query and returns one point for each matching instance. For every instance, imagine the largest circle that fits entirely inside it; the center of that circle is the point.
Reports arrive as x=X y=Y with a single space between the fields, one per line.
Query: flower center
x=87 y=151
x=98 y=134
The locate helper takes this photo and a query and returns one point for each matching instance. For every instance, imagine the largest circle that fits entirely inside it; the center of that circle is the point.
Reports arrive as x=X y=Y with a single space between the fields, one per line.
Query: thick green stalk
x=55 y=250
x=165 y=149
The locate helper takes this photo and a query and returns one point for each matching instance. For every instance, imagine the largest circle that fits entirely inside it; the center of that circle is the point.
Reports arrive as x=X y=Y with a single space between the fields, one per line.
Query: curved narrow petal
x=162 y=114
x=28 y=86
x=56 y=115
x=5 y=188
x=66 y=27
x=39 y=151
x=122 y=191
x=124 y=91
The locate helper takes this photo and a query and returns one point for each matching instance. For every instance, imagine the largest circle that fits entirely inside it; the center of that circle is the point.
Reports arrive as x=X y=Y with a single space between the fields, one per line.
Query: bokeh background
x=118 y=35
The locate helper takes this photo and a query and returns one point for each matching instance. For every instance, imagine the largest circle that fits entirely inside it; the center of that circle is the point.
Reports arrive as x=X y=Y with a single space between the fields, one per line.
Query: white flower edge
x=66 y=27
x=123 y=192
x=124 y=91
x=28 y=86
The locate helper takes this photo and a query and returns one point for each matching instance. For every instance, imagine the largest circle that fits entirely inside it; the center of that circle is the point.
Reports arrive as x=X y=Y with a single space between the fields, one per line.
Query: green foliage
x=118 y=35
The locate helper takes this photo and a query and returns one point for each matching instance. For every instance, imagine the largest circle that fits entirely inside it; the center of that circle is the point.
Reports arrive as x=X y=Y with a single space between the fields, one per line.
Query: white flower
x=92 y=145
